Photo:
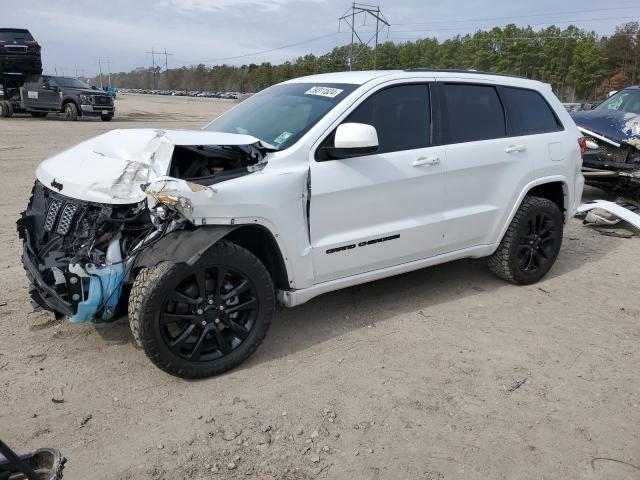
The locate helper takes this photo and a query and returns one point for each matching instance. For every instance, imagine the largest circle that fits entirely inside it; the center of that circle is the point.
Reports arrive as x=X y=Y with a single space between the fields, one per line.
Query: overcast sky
x=76 y=33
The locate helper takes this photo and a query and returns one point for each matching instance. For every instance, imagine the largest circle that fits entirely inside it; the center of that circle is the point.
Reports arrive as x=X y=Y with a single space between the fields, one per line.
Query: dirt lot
x=445 y=373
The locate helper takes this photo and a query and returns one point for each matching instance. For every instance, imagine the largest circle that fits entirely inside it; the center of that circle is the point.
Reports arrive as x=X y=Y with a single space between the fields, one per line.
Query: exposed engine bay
x=211 y=163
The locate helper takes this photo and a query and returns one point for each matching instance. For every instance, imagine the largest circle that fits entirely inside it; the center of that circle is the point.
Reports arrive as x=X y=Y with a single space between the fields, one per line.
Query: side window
x=401 y=115
x=528 y=113
x=472 y=112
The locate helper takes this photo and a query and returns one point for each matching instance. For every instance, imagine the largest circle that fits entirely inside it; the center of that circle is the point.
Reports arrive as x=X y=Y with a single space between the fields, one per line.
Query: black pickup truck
x=42 y=94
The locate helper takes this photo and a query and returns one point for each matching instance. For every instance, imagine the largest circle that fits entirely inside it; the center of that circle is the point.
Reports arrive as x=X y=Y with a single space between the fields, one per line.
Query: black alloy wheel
x=199 y=320
x=209 y=313
x=537 y=243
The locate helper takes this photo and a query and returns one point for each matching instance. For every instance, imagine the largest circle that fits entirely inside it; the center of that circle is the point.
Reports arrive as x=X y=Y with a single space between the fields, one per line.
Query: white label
x=324 y=91
x=104 y=112
x=281 y=138
x=32 y=95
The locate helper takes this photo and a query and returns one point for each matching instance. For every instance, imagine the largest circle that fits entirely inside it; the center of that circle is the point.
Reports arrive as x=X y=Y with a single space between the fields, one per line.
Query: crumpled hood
x=112 y=167
x=613 y=124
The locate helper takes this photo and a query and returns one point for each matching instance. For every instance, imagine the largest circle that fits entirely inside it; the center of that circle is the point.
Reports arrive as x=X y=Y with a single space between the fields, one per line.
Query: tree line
x=579 y=65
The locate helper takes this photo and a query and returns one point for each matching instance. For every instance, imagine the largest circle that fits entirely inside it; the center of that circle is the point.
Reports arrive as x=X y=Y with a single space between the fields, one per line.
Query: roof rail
x=454 y=70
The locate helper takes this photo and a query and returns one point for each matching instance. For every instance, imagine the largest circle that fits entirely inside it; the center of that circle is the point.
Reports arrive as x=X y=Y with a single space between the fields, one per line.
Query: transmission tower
x=157 y=66
x=363 y=11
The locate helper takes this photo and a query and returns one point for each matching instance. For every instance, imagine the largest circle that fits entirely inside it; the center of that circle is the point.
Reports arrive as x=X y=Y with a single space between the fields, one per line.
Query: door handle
x=422 y=161
x=515 y=148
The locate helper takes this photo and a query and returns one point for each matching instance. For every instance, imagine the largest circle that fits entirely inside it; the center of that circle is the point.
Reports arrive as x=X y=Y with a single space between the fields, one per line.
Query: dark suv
x=42 y=94
x=19 y=52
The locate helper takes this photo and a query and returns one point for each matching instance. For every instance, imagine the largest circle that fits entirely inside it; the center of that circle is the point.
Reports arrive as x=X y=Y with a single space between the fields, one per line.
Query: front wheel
x=531 y=244
x=202 y=320
x=106 y=118
x=70 y=111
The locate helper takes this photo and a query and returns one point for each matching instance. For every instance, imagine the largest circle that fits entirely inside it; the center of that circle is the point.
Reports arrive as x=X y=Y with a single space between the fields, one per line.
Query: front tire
x=106 y=118
x=202 y=320
x=71 y=112
x=531 y=244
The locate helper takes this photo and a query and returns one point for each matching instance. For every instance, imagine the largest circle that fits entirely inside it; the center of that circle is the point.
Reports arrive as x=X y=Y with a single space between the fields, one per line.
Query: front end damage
x=83 y=243
x=612 y=165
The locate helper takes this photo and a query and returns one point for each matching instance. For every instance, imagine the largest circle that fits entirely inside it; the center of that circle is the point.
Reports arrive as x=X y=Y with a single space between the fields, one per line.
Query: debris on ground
x=620 y=211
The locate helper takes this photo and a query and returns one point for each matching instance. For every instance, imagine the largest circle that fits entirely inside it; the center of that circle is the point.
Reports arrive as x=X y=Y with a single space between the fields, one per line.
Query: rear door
x=496 y=138
x=379 y=210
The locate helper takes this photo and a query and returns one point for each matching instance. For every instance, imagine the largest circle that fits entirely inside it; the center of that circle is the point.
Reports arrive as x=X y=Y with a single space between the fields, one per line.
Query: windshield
x=626 y=101
x=281 y=114
x=70 y=82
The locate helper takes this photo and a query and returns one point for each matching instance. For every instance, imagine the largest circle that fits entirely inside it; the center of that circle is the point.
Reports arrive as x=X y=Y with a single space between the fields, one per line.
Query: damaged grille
x=59 y=218
x=66 y=217
x=609 y=152
x=52 y=215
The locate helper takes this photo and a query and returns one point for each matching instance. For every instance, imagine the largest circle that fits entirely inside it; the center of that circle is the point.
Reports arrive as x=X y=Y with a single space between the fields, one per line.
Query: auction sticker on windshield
x=324 y=91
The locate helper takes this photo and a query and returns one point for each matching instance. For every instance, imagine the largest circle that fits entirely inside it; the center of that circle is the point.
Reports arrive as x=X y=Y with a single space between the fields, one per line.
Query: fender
x=523 y=193
x=183 y=246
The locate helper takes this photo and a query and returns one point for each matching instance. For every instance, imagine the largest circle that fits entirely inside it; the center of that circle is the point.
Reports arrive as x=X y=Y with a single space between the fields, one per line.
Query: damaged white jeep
x=310 y=186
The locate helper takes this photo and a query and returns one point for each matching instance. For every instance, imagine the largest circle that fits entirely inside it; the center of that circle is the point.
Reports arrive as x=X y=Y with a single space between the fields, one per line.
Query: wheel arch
x=260 y=241
x=187 y=246
x=556 y=191
x=555 y=188
x=70 y=100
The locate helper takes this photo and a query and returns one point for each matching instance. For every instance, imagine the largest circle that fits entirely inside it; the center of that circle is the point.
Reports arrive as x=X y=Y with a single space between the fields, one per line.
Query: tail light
x=2 y=42
x=583 y=145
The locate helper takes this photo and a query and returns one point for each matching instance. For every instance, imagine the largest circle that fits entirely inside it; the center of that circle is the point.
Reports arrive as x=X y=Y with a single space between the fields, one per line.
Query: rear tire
x=71 y=112
x=202 y=320
x=6 y=109
x=106 y=118
x=531 y=244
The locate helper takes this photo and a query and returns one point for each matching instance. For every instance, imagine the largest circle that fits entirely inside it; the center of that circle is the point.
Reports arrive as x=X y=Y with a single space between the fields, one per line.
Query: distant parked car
x=19 y=52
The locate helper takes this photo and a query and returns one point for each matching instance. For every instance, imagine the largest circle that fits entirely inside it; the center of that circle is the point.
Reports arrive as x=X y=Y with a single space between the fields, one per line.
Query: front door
x=41 y=94
x=384 y=209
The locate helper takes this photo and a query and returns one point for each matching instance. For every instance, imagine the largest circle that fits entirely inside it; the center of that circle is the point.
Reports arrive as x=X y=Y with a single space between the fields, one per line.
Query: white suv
x=312 y=185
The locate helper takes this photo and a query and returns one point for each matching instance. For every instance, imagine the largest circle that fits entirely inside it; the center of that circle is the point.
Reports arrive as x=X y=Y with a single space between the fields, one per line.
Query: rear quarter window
x=528 y=112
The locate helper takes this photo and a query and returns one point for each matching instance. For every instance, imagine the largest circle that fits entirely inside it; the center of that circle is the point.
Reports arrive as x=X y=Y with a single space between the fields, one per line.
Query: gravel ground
x=444 y=373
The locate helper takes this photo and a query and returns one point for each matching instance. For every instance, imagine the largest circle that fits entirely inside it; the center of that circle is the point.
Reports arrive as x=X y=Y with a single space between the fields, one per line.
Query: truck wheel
x=6 y=109
x=70 y=111
x=531 y=244
x=106 y=118
x=202 y=320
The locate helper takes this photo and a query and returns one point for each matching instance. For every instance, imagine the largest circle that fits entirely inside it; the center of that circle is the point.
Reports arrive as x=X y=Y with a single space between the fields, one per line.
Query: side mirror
x=93 y=87
x=47 y=85
x=354 y=140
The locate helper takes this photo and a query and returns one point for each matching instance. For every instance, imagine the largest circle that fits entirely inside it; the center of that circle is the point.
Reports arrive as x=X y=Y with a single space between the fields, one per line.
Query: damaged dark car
x=612 y=132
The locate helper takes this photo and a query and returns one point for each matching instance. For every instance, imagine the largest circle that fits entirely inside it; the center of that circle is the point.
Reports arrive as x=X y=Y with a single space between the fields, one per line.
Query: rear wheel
x=70 y=111
x=531 y=244
x=202 y=320
x=106 y=118
x=6 y=109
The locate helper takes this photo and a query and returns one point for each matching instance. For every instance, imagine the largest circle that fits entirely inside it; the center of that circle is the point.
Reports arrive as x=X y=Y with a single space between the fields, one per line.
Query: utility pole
x=100 y=71
x=166 y=65
x=109 y=71
x=153 y=62
x=361 y=10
